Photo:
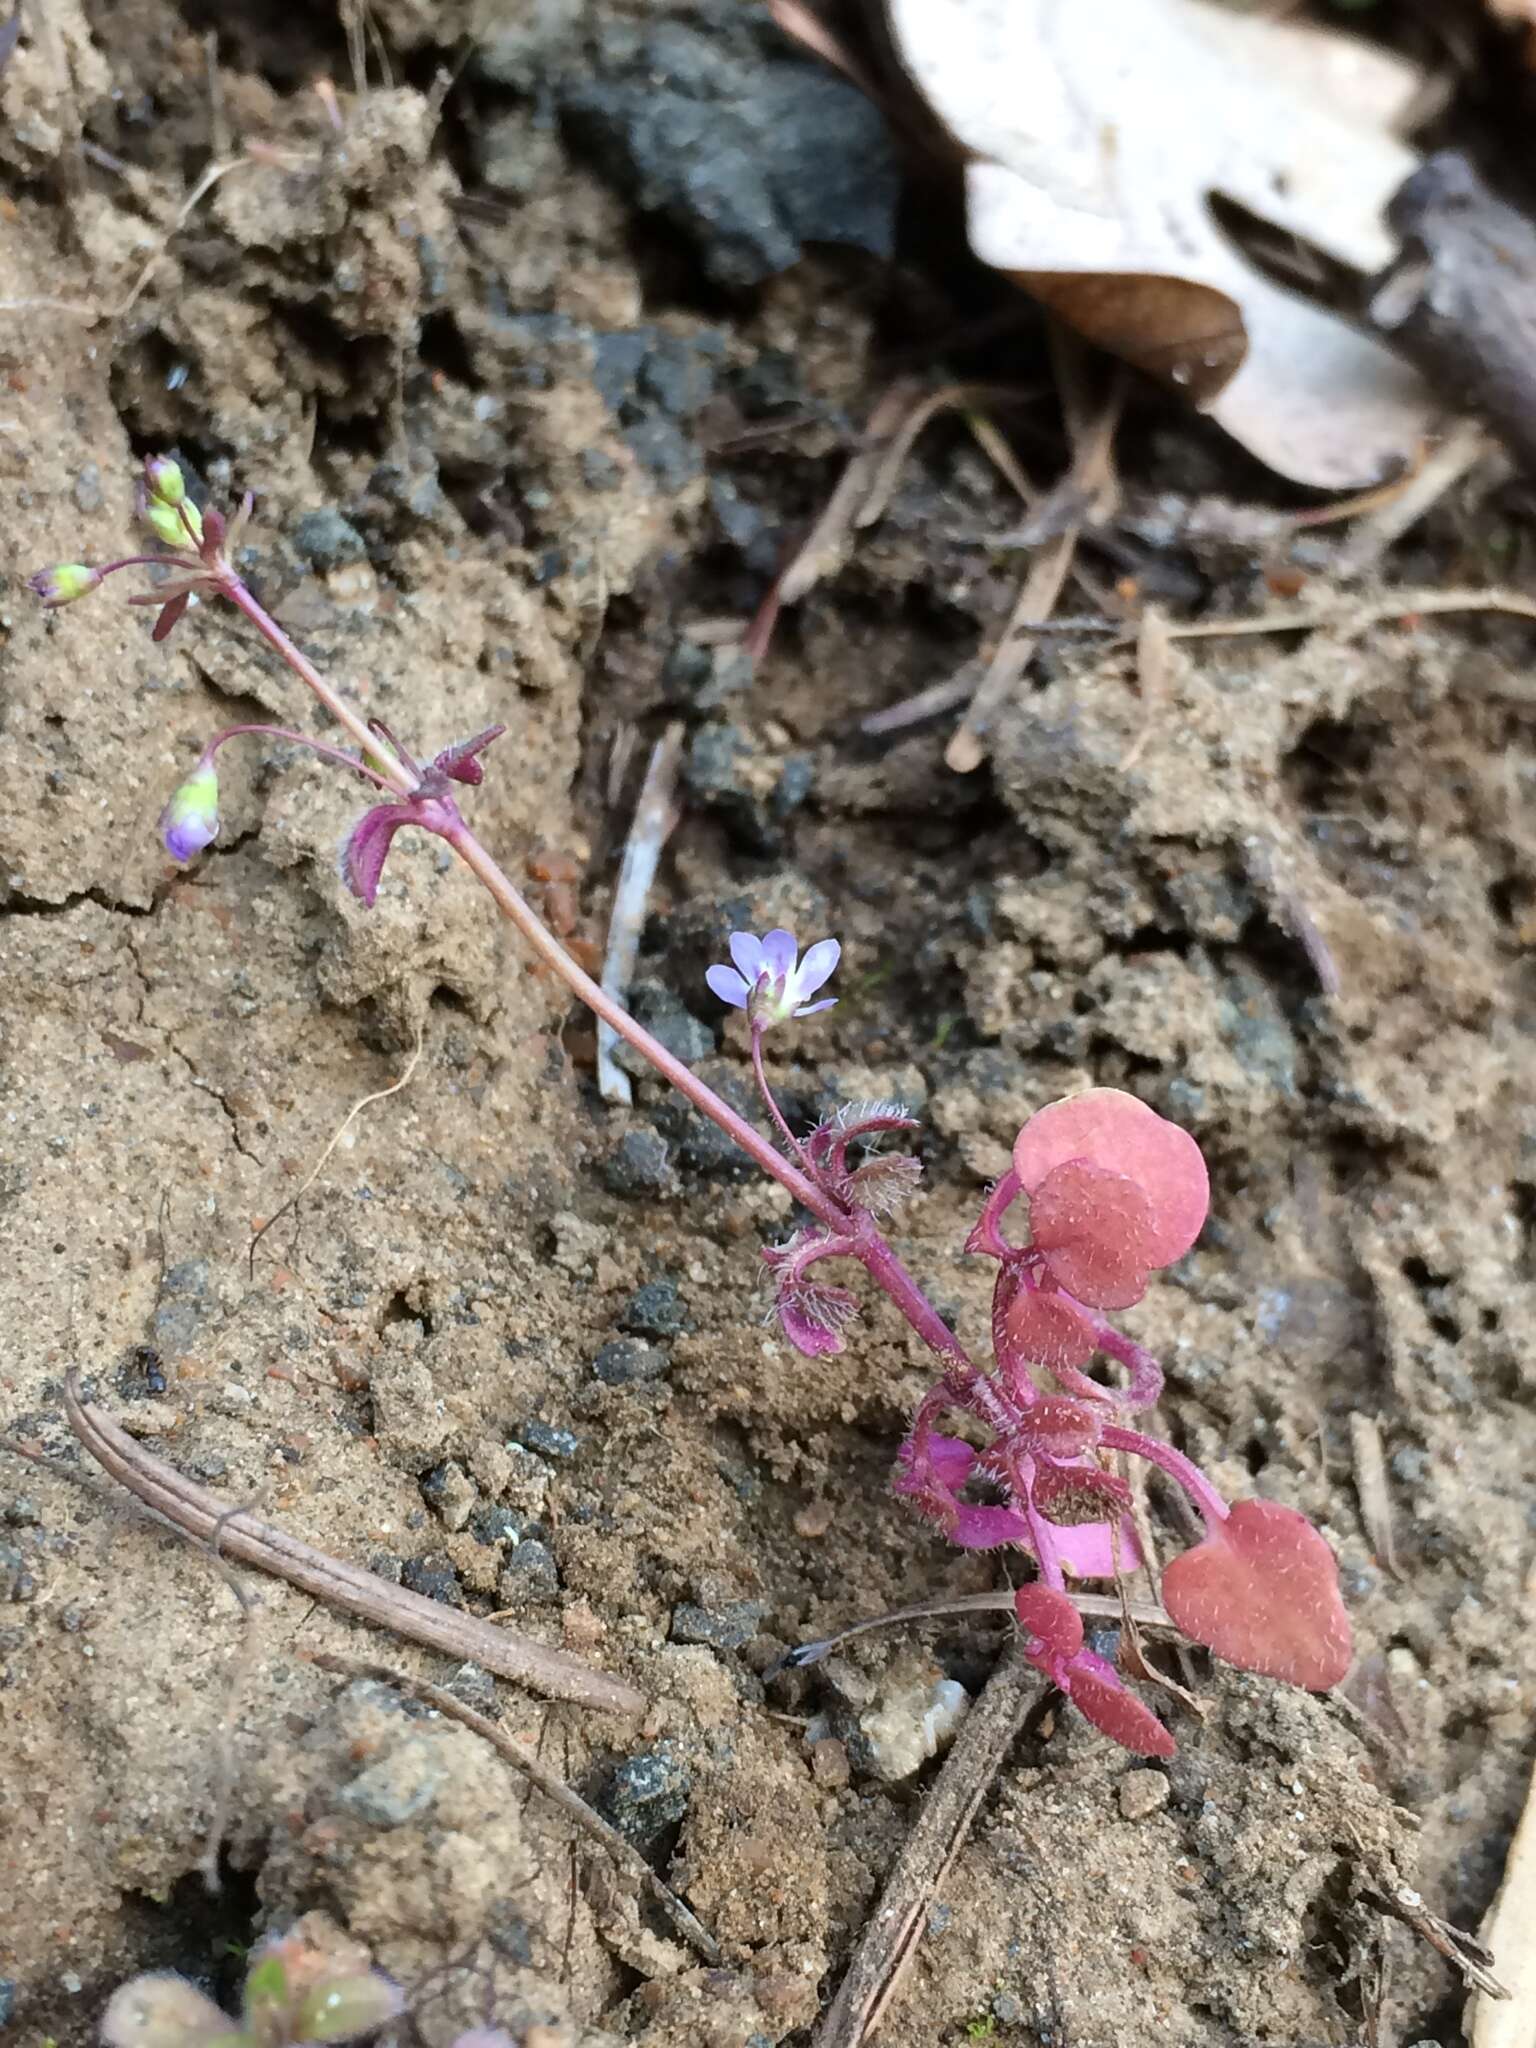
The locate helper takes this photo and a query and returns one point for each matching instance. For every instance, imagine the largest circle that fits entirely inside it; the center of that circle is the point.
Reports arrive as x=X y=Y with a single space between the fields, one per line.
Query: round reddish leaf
x=1112 y=1130
x=1102 y=1699
x=1031 y=1328
x=1262 y=1591
x=1052 y=1619
x=1097 y=1232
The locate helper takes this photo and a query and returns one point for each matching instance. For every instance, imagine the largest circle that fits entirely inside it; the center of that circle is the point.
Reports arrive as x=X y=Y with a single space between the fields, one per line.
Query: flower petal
x=728 y=985
x=819 y=965
x=778 y=953
x=747 y=951
x=810 y=1009
x=367 y=845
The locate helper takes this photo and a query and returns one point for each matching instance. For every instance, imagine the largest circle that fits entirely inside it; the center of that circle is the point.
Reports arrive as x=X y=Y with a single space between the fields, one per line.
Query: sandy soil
x=478 y=391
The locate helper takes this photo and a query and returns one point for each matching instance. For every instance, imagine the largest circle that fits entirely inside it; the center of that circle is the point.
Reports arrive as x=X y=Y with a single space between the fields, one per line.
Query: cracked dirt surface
x=416 y=1372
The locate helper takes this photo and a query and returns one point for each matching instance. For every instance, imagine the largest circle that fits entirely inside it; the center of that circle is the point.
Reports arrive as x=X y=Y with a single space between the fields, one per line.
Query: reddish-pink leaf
x=1031 y=1328
x=1112 y=1130
x=1096 y=1231
x=1100 y=1697
x=1262 y=1591
x=1052 y=1619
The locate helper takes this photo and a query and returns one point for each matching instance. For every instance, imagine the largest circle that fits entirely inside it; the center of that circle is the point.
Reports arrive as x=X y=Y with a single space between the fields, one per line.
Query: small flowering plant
x=295 y=1995
x=1101 y=1194
x=1111 y=1193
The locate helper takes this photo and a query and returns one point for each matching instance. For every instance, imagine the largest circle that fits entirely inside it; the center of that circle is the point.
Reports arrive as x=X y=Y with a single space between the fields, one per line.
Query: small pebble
x=829 y=1764
x=726 y=1627
x=1142 y=1793
x=626 y=1362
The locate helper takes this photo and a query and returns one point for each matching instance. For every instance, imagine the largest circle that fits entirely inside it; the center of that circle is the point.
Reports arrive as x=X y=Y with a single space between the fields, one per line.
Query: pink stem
x=796 y=1149
x=1146 y=1375
x=299 y=739
x=152 y=562
x=394 y=777
x=1213 y=1508
x=868 y=1246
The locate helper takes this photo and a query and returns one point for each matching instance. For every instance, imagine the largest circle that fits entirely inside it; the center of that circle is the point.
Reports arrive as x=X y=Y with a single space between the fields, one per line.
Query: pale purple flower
x=769 y=982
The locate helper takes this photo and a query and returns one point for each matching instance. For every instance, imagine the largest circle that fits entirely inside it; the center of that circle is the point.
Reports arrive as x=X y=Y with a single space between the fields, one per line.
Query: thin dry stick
x=1089 y=476
x=1092 y=1606
x=891 y=1936
x=224 y=1754
x=966 y=398
x=1354 y=619
x=1371 y=1486
x=1507 y=1931
x=346 y=1586
x=655 y=816
x=378 y=1095
x=1466 y=444
x=1152 y=678
x=628 y=1858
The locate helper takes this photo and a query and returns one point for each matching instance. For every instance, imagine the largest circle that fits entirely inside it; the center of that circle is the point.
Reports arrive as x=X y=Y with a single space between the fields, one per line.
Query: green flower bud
x=187 y=824
x=165 y=480
x=345 y=2007
x=174 y=524
x=63 y=584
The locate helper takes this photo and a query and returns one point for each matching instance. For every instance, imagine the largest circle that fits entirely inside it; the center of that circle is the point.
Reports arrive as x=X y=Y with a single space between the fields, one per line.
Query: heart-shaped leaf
x=1262 y=1591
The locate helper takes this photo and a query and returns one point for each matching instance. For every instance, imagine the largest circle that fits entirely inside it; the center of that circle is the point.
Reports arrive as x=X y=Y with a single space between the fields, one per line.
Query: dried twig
x=892 y=1933
x=655 y=815
x=346 y=1586
x=1464 y=444
x=826 y=543
x=1371 y=1486
x=1092 y=432
x=1508 y=1933
x=1463 y=1951
x=555 y=1789
x=378 y=1095
x=1092 y=1606
x=1152 y=647
x=240 y=1671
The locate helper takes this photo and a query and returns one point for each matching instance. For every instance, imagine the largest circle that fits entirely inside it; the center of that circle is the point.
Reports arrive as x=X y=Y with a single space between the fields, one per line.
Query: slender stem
x=870 y=1248
x=1146 y=1375
x=187 y=568
x=394 y=777
x=300 y=739
x=517 y=912
x=1213 y=1508
x=797 y=1150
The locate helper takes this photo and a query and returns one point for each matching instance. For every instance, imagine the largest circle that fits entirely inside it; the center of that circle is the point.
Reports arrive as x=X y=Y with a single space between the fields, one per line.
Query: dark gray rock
x=654 y=1310
x=638 y=1165
x=683 y=1034
x=549 y=1440
x=699 y=1146
x=625 y=1363
x=183 y=1309
x=727 y=1626
x=646 y=1795
x=328 y=541
x=529 y=1574
x=749 y=154
x=434 y=1578
x=496 y=1525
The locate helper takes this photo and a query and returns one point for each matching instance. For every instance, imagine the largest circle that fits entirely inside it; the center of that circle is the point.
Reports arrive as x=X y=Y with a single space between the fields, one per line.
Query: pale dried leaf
x=1097 y=136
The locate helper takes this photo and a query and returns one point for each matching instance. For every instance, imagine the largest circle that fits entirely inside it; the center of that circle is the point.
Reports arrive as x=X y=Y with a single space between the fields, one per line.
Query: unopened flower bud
x=174 y=524
x=165 y=480
x=191 y=819
x=344 y=2007
x=64 y=583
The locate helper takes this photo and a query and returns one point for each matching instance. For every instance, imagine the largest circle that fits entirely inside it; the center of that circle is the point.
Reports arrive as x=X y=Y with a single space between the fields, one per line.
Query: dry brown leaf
x=1097 y=135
